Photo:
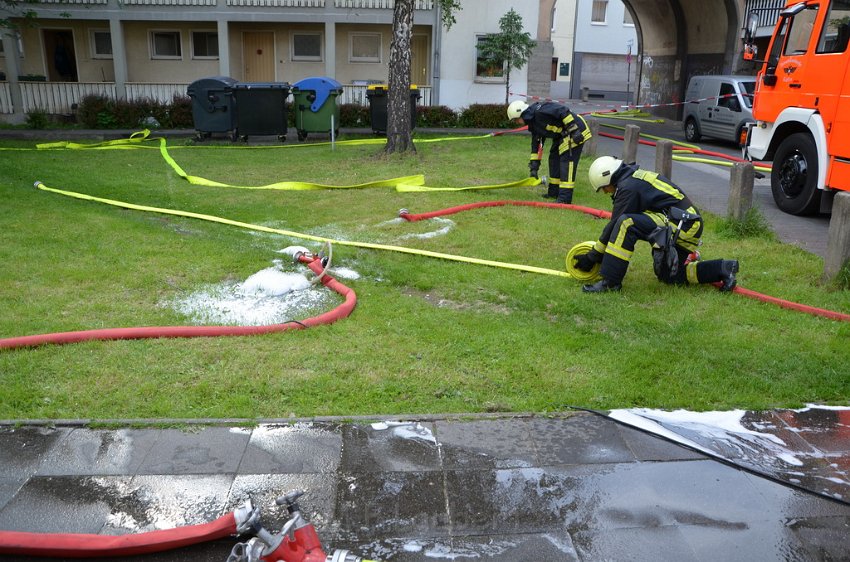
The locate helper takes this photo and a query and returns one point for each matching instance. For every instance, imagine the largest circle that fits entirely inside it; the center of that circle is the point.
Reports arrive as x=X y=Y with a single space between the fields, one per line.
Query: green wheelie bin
x=314 y=106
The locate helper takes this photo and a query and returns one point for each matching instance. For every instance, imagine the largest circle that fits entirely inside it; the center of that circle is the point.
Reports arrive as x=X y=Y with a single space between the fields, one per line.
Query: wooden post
x=630 y=144
x=740 y=190
x=664 y=158
x=838 y=244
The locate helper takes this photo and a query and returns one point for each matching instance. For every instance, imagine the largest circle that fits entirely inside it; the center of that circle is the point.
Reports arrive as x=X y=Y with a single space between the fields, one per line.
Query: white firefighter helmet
x=601 y=171
x=516 y=108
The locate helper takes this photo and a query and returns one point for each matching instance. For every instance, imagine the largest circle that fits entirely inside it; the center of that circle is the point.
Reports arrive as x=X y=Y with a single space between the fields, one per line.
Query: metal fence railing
x=61 y=98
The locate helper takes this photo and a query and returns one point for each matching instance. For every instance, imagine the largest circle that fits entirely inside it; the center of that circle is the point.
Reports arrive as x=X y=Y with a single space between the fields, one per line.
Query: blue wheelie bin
x=314 y=105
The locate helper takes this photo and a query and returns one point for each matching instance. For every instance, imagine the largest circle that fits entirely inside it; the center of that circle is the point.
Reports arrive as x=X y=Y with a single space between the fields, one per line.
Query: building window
x=101 y=44
x=365 y=47
x=487 y=69
x=307 y=46
x=599 y=12
x=627 y=18
x=166 y=45
x=204 y=45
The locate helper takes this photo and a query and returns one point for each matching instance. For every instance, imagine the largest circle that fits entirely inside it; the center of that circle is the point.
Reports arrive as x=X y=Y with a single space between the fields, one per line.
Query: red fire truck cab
x=802 y=104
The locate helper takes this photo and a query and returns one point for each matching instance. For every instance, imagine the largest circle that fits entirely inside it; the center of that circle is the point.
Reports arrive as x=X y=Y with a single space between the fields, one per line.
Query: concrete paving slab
x=26 y=448
x=586 y=439
x=87 y=451
x=503 y=443
x=64 y=504
x=208 y=450
x=389 y=446
x=292 y=448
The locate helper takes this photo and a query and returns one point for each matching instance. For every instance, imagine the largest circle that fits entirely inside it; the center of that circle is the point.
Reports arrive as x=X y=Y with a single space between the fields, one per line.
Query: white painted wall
x=610 y=38
x=458 y=88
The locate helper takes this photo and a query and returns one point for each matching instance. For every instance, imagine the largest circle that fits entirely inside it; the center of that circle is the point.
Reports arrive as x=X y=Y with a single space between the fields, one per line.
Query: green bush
x=93 y=110
x=435 y=116
x=353 y=115
x=179 y=114
x=484 y=116
x=37 y=119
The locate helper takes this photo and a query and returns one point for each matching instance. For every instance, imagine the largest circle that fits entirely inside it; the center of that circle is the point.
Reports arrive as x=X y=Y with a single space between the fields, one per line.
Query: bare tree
x=399 y=124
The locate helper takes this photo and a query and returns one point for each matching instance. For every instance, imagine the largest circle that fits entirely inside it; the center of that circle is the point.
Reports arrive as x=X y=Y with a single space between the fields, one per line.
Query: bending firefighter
x=648 y=206
x=568 y=131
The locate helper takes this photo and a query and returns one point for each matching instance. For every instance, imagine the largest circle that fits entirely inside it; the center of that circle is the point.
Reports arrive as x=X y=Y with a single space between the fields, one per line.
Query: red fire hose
x=342 y=311
x=56 y=545
x=823 y=313
x=452 y=210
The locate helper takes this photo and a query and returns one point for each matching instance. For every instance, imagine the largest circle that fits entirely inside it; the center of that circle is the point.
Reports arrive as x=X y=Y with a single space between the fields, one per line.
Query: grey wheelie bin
x=212 y=106
x=315 y=107
x=261 y=109
x=378 y=96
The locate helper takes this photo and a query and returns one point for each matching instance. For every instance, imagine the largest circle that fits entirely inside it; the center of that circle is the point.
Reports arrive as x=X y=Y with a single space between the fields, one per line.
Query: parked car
x=718 y=107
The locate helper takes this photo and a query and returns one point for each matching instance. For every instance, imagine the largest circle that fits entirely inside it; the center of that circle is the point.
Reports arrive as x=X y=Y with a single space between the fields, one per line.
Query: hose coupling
x=247 y=517
x=402 y=212
x=37 y=184
x=295 y=252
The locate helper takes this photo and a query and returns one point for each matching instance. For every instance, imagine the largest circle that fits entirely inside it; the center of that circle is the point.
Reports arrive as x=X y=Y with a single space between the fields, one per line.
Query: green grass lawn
x=427 y=336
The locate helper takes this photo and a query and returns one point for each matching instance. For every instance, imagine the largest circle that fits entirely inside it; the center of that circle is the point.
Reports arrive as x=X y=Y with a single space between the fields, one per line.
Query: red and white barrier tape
x=628 y=106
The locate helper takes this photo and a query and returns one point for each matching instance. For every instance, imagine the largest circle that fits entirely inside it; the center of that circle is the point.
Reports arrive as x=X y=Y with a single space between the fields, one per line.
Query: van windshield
x=747 y=91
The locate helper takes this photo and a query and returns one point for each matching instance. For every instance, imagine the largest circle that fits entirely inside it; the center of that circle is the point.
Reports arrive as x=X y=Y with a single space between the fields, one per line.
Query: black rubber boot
x=565 y=195
x=602 y=286
x=552 y=192
x=728 y=269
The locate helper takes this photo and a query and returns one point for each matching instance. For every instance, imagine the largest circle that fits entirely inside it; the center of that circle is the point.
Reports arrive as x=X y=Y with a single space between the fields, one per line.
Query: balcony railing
x=382 y=4
x=60 y=98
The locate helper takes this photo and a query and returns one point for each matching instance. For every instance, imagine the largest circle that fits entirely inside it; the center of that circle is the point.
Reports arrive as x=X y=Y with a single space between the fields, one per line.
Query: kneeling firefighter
x=648 y=206
x=568 y=131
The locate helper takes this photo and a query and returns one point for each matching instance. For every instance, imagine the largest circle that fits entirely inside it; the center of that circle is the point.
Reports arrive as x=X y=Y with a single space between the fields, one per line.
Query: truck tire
x=692 y=133
x=794 y=176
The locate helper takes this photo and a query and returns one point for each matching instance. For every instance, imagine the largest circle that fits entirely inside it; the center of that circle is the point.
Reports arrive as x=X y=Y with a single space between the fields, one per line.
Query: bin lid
x=385 y=87
x=211 y=83
x=322 y=86
x=262 y=86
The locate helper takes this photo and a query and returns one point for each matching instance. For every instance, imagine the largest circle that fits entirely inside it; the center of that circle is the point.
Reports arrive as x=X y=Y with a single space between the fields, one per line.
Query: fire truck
x=802 y=104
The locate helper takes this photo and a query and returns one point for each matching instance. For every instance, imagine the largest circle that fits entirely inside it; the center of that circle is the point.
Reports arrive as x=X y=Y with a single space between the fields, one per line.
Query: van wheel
x=692 y=133
x=794 y=176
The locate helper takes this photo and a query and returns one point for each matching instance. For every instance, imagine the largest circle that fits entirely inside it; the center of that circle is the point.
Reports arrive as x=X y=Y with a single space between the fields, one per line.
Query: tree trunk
x=398 y=96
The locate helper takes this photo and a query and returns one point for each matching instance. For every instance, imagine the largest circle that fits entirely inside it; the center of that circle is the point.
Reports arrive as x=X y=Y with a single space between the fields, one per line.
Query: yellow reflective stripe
x=555 y=181
x=615 y=248
x=554 y=128
x=658 y=218
x=571 y=173
x=534 y=156
x=691 y=273
x=619 y=252
x=599 y=247
x=652 y=178
x=568 y=119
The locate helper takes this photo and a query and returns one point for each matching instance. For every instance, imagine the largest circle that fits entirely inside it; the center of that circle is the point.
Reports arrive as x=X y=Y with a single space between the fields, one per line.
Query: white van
x=718 y=107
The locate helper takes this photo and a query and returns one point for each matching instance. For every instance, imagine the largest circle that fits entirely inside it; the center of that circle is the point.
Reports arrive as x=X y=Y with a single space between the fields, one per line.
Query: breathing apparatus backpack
x=665 y=255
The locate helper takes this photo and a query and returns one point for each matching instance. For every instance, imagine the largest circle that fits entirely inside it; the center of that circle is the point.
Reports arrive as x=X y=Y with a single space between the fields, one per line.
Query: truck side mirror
x=749 y=35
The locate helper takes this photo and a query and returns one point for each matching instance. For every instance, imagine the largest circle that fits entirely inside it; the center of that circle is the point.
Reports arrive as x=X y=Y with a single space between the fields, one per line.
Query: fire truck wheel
x=794 y=177
x=692 y=133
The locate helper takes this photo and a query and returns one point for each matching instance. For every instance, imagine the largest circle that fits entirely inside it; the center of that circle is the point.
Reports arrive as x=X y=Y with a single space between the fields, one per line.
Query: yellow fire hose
x=260 y=228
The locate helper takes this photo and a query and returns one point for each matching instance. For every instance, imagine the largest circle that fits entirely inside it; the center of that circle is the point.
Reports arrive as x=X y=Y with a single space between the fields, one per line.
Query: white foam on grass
x=270 y=296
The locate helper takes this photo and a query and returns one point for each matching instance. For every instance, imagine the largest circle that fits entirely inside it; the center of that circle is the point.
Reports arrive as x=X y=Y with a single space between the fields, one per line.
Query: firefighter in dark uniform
x=643 y=204
x=568 y=131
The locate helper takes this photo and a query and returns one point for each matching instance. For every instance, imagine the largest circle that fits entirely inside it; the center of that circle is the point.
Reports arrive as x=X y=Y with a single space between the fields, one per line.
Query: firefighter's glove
x=585 y=262
x=577 y=137
x=533 y=168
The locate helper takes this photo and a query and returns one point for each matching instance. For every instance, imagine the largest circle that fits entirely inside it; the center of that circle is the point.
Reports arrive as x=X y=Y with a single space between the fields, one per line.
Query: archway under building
x=676 y=39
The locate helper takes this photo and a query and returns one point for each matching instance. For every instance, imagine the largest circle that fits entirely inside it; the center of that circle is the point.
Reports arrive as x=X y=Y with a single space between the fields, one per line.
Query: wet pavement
x=572 y=487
